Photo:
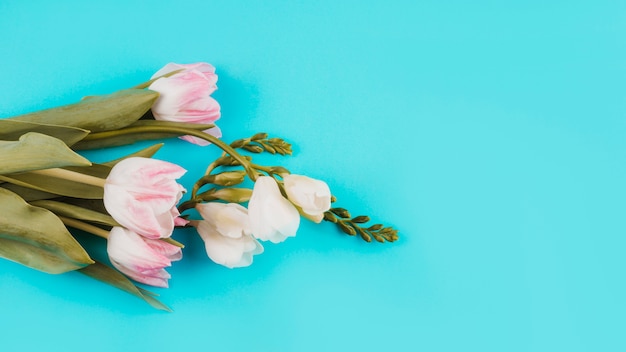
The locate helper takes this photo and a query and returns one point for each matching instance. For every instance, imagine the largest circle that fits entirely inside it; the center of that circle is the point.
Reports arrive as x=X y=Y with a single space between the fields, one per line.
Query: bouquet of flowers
x=48 y=190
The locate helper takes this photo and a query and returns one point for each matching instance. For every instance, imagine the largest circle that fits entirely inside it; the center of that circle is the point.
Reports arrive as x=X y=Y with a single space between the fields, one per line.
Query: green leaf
x=11 y=130
x=28 y=194
x=144 y=153
x=36 y=238
x=75 y=212
x=56 y=185
x=133 y=133
x=92 y=204
x=96 y=170
x=108 y=275
x=35 y=151
x=98 y=113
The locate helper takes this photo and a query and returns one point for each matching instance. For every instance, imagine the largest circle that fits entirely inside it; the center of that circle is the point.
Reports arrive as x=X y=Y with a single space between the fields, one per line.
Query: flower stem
x=71 y=176
x=94 y=230
x=183 y=131
x=77 y=224
x=212 y=166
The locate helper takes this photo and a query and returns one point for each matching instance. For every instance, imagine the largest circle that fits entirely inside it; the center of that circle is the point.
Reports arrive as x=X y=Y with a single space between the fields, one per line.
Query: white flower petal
x=272 y=217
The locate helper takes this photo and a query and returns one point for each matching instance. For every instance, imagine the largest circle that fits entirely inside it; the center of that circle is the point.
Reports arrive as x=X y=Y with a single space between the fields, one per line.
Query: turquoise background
x=491 y=134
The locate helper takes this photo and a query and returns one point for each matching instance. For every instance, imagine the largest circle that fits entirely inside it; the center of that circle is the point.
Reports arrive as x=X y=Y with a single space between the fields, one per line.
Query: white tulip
x=272 y=217
x=227 y=235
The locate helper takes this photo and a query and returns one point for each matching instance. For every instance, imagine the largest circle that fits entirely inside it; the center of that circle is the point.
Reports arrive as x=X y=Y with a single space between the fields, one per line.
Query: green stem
x=265 y=169
x=212 y=166
x=95 y=230
x=183 y=131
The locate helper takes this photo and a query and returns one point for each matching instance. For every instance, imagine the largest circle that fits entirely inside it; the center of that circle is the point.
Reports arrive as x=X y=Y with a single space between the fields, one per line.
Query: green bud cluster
x=352 y=226
x=260 y=143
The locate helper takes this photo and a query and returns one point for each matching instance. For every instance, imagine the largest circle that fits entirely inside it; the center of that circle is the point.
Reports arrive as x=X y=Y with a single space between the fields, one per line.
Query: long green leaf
x=28 y=194
x=35 y=151
x=144 y=153
x=35 y=237
x=92 y=204
x=75 y=212
x=125 y=137
x=11 y=130
x=98 y=113
x=96 y=170
x=56 y=185
x=108 y=275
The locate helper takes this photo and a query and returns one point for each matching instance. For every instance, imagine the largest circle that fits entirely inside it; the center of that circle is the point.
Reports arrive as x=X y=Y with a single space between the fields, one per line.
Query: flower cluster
x=136 y=202
x=231 y=232
x=141 y=194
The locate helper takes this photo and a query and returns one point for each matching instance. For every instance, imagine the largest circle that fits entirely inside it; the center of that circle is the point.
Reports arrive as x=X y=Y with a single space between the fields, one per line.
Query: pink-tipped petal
x=185 y=96
x=141 y=259
x=141 y=194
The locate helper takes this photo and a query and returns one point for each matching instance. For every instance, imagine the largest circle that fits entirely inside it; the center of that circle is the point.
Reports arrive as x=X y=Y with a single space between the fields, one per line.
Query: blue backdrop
x=491 y=134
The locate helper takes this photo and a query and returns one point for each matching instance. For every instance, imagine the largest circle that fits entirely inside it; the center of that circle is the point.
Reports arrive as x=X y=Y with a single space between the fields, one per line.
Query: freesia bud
x=229 y=178
x=141 y=259
x=186 y=97
x=226 y=234
x=272 y=217
x=310 y=195
x=141 y=194
x=233 y=195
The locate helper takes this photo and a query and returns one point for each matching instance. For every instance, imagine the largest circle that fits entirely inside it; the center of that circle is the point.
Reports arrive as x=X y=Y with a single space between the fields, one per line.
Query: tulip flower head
x=310 y=195
x=272 y=217
x=141 y=194
x=186 y=97
x=226 y=232
x=140 y=258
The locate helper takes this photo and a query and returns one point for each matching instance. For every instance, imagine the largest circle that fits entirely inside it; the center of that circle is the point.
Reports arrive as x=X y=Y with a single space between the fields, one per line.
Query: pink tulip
x=186 y=97
x=141 y=194
x=141 y=259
